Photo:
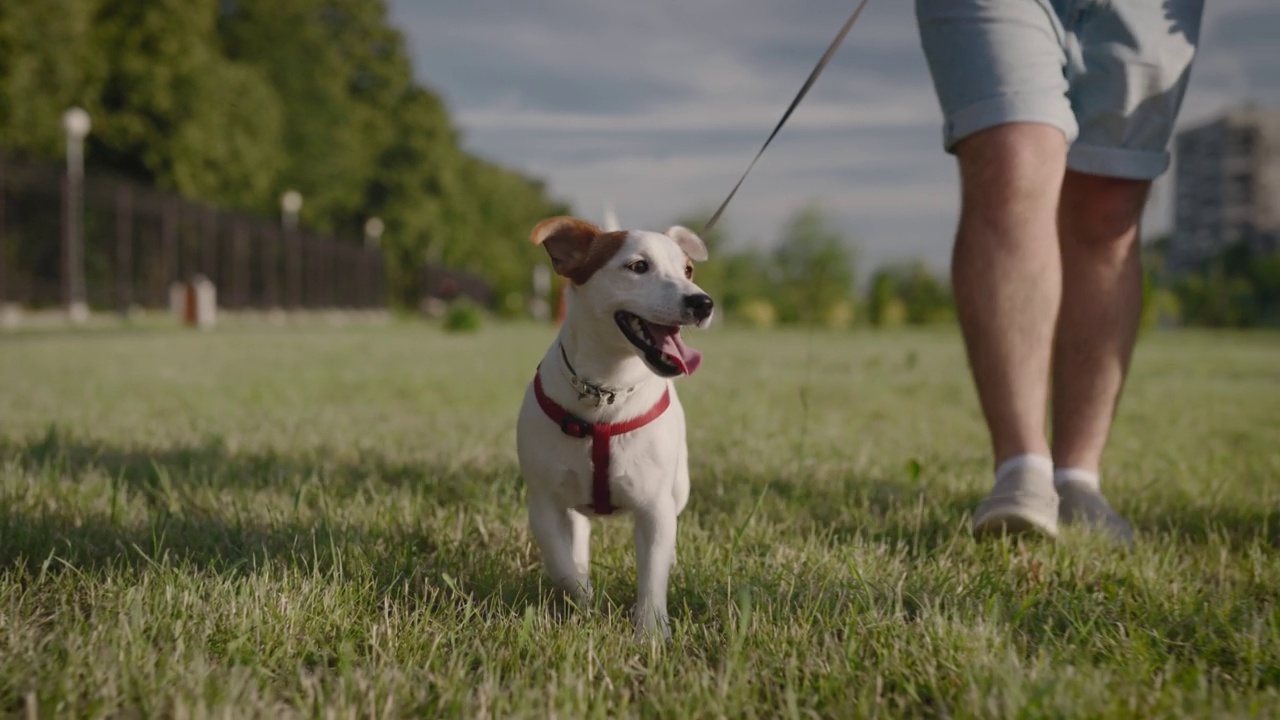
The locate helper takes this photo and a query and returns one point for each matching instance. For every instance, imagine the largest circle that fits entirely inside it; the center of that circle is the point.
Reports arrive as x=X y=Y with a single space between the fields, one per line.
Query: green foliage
x=910 y=294
x=342 y=74
x=365 y=140
x=1160 y=305
x=46 y=65
x=744 y=279
x=1238 y=288
x=172 y=110
x=235 y=102
x=1216 y=299
x=807 y=277
x=491 y=210
x=881 y=298
x=758 y=313
x=463 y=316
x=813 y=269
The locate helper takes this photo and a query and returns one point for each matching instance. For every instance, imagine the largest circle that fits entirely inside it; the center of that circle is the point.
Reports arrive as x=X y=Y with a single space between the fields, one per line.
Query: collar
x=589 y=392
x=600 y=434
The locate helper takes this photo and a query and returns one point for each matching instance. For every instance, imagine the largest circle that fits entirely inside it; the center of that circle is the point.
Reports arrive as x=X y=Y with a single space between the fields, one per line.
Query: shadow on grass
x=211 y=464
x=189 y=524
x=895 y=512
x=409 y=559
x=1236 y=527
x=185 y=528
x=922 y=517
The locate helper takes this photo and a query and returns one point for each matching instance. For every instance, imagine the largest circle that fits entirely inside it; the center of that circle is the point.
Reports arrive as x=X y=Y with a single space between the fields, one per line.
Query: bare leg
x=1007 y=276
x=1097 y=328
x=1101 y=308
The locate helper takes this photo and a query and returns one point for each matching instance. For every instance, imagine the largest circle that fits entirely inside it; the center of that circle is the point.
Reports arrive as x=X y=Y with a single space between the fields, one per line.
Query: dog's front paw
x=651 y=625
x=576 y=591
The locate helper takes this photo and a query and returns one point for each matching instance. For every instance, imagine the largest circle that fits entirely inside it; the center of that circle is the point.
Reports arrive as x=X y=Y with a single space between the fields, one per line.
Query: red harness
x=600 y=433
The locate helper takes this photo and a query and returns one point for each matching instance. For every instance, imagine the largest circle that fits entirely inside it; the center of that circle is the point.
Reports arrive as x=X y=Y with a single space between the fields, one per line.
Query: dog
x=601 y=430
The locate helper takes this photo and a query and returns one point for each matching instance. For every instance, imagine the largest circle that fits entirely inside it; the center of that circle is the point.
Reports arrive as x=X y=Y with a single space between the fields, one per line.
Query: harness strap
x=600 y=434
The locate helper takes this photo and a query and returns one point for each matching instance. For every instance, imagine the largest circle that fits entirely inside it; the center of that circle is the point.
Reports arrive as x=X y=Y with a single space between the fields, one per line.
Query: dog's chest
x=640 y=463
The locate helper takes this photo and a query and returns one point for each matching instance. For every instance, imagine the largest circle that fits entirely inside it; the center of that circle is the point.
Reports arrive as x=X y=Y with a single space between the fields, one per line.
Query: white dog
x=601 y=429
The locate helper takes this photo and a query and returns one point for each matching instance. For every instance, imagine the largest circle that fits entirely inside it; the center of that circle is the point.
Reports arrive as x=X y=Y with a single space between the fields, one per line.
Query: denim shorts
x=1110 y=74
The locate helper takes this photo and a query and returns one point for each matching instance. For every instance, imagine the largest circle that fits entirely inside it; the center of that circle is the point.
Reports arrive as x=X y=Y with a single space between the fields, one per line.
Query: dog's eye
x=639 y=267
x=688 y=271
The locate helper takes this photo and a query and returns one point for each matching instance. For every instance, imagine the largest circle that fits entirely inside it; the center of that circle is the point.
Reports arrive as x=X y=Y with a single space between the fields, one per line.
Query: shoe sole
x=1011 y=524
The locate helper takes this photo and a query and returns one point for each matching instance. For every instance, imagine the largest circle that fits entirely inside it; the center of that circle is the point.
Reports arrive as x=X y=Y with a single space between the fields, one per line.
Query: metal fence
x=137 y=241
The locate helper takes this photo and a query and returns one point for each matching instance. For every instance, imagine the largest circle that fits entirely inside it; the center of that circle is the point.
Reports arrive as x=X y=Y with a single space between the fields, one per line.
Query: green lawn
x=328 y=522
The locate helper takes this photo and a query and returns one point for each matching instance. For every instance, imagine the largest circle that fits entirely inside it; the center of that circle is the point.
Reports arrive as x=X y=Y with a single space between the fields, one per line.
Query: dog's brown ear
x=576 y=247
x=688 y=241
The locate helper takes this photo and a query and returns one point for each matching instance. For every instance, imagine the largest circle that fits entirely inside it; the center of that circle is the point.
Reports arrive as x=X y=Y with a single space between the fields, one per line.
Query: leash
x=804 y=90
x=804 y=395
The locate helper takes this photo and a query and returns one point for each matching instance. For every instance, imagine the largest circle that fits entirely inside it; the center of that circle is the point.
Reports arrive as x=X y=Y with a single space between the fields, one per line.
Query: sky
x=658 y=107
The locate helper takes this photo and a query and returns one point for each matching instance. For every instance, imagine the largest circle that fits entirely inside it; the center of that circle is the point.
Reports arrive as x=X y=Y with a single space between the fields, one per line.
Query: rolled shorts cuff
x=1118 y=162
x=1009 y=109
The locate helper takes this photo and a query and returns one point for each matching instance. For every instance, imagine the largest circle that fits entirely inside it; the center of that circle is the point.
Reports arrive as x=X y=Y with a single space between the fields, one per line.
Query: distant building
x=1227 y=186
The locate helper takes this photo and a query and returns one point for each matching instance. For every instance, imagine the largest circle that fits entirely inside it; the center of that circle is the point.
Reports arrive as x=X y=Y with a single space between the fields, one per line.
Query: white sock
x=1075 y=475
x=1038 y=462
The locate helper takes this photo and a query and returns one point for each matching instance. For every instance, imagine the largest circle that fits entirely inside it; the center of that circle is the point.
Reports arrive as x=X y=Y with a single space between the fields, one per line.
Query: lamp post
x=76 y=124
x=373 y=229
x=290 y=205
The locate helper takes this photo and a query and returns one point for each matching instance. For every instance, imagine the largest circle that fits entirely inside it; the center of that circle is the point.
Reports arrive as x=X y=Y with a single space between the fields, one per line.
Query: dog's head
x=640 y=281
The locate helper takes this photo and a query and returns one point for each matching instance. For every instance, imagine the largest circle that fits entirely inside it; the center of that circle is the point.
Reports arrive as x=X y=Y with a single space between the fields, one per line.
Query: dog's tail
x=611 y=223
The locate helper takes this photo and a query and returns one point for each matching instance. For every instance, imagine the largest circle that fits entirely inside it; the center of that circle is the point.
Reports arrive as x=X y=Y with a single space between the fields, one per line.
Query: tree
x=341 y=74
x=363 y=139
x=908 y=293
x=1215 y=299
x=46 y=66
x=173 y=111
x=491 y=214
x=745 y=280
x=813 y=269
x=233 y=102
x=884 y=307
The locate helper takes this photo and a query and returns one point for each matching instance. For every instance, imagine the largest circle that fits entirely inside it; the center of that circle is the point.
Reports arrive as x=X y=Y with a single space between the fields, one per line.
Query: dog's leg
x=655 y=535
x=554 y=528
x=680 y=489
x=581 y=530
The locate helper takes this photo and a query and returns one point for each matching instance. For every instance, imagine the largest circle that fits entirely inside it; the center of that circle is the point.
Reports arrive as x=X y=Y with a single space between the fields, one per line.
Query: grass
x=322 y=522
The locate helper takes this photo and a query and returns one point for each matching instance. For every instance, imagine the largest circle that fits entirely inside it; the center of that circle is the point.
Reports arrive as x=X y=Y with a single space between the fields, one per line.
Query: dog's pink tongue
x=670 y=343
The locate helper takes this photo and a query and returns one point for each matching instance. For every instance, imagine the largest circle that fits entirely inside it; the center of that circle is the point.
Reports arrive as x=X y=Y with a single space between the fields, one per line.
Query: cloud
x=659 y=106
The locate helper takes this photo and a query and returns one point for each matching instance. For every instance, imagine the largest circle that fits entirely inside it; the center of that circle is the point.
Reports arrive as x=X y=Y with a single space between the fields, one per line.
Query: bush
x=759 y=313
x=893 y=313
x=840 y=315
x=463 y=316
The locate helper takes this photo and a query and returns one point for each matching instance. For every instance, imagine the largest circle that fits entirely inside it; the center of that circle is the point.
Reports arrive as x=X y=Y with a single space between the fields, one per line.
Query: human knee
x=1101 y=210
x=1011 y=169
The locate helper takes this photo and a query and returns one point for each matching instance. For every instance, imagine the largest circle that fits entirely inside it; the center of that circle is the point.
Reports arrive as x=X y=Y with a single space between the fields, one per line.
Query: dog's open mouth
x=660 y=345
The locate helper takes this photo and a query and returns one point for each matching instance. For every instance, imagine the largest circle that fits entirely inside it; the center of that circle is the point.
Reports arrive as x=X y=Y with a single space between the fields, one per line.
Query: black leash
x=817 y=70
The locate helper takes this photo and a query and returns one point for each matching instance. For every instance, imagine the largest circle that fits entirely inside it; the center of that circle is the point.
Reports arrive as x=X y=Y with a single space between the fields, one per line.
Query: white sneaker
x=1080 y=503
x=1022 y=502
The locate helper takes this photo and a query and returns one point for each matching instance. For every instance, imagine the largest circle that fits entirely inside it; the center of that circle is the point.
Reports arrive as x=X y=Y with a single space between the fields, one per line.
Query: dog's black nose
x=700 y=305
